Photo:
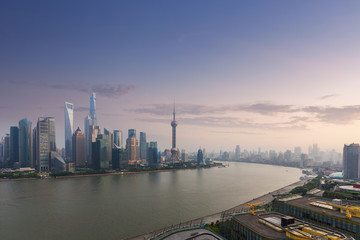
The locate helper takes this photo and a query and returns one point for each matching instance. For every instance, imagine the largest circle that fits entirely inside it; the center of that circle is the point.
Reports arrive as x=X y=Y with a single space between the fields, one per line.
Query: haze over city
x=269 y=74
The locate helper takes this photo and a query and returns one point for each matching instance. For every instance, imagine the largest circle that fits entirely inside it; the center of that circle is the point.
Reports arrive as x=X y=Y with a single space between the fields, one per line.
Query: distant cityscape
x=28 y=146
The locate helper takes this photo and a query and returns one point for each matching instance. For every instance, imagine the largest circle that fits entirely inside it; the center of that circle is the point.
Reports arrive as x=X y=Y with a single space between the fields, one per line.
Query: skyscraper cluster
x=28 y=146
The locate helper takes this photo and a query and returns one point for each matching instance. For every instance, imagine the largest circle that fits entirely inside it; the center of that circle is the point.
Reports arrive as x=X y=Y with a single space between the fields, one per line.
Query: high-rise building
x=1 y=152
x=78 y=148
x=87 y=124
x=52 y=137
x=92 y=109
x=118 y=138
x=143 y=146
x=132 y=146
x=45 y=142
x=34 y=149
x=288 y=155
x=111 y=140
x=152 y=154
x=351 y=161
x=69 y=128
x=25 y=143
x=297 y=151
x=131 y=133
x=56 y=162
x=6 y=158
x=184 y=156
x=100 y=152
x=14 y=145
x=200 y=157
x=237 y=153
x=119 y=158
x=93 y=133
x=174 y=150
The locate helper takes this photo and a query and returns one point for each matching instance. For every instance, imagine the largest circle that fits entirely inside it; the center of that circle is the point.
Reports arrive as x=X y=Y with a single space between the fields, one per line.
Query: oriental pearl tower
x=174 y=151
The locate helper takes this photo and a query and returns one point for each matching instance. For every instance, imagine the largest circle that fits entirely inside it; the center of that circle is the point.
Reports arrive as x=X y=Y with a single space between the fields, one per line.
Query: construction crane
x=351 y=211
x=253 y=207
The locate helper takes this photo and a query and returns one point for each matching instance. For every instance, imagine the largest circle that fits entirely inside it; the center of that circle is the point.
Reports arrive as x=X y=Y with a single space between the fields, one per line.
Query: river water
x=123 y=206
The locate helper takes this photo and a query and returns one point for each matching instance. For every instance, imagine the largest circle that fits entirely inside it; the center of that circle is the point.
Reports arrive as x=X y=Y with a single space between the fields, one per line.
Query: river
x=122 y=206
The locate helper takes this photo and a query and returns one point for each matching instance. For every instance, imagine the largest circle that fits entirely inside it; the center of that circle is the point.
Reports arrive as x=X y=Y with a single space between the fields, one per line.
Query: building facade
x=25 y=143
x=143 y=147
x=351 y=161
x=132 y=146
x=14 y=145
x=69 y=128
x=45 y=142
x=78 y=148
x=100 y=152
x=118 y=138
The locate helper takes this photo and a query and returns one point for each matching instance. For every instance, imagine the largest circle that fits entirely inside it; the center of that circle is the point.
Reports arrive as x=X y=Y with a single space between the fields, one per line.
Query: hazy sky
x=274 y=74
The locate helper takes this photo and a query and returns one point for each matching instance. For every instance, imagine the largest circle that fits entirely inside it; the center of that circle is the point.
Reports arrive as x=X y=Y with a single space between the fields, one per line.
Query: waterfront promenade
x=218 y=216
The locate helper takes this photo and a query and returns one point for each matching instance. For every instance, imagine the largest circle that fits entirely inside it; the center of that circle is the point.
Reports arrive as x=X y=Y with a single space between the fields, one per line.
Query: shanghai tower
x=92 y=109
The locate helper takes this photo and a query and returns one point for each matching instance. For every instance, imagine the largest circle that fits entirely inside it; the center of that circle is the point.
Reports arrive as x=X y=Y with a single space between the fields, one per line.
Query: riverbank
x=217 y=216
x=107 y=174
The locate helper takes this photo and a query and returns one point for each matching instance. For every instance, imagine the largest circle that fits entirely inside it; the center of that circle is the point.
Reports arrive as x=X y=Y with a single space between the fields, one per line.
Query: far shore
x=130 y=172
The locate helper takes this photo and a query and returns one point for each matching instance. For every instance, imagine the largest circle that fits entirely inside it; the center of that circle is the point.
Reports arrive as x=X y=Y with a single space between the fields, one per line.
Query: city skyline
x=259 y=74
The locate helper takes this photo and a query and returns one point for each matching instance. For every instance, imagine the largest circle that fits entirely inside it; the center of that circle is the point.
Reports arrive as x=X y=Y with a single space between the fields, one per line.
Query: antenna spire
x=174 y=110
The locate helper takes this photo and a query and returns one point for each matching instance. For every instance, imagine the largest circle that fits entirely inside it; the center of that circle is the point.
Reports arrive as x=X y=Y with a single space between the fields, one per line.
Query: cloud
x=104 y=89
x=329 y=96
x=230 y=122
x=267 y=108
x=237 y=132
x=336 y=115
x=195 y=109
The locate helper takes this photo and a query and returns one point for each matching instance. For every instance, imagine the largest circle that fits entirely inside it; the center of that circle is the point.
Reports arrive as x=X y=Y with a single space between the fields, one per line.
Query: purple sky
x=274 y=74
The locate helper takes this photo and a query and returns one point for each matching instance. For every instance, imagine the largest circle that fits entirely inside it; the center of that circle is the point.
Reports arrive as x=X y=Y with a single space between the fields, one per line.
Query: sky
x=269 y=74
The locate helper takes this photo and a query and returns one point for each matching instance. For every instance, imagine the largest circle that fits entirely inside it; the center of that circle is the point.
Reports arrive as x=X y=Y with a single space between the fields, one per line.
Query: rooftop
x=305 y=203
x=268 y=225
x=252 y=222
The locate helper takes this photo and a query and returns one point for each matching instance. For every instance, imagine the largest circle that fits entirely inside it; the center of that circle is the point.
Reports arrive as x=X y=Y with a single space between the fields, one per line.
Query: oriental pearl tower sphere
x=174 y=151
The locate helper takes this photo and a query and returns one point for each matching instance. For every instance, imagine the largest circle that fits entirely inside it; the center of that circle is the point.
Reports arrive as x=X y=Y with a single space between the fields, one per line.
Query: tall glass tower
x=25 y=143
x=92 y=109
x=143 y=147
x=69 y=128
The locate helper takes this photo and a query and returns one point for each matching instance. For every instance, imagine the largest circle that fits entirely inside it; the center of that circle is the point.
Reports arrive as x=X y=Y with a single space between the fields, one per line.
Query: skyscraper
x=132 y=146
x=237 y=153
x=14 y=145
x=174 y=150
x=118 y=138
x=152 y=154
x=25 y=143
x=142 y=145
x=78 y=148
x=45 y=142
x=351 y=161
x=6 y=156
x=200 y=157
x=87 y=124
x=100 y=152
x=69 y=128
x=92 y=109
x=93 y=133
x=131 y=133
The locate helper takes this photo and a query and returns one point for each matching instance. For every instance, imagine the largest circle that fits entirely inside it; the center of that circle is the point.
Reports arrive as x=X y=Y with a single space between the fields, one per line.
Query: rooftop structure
x=325 y=213
x=277 y=226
